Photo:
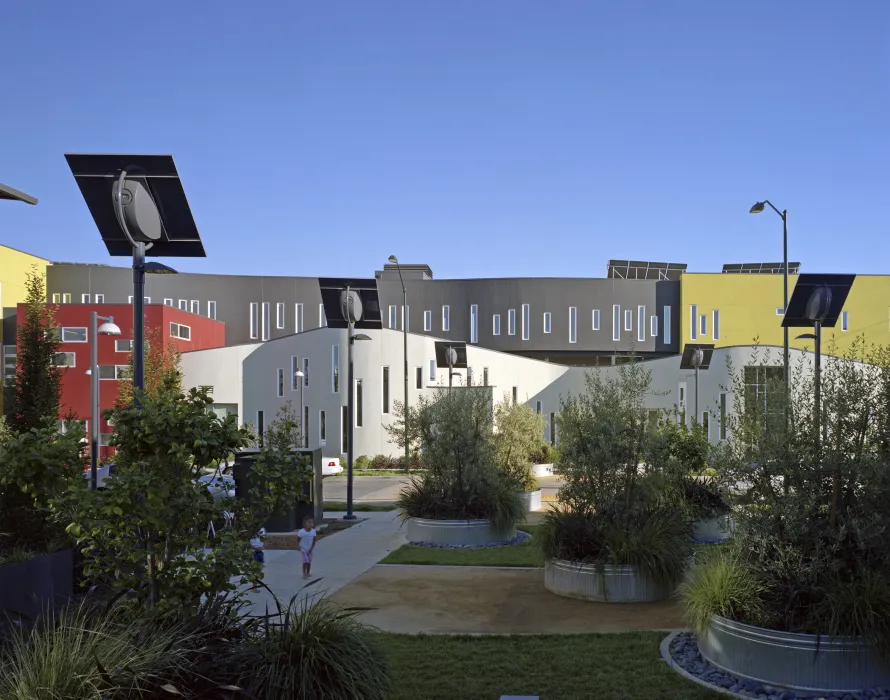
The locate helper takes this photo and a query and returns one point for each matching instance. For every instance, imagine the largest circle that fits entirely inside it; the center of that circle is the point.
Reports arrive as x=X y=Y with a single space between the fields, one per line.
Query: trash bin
x=290 y=519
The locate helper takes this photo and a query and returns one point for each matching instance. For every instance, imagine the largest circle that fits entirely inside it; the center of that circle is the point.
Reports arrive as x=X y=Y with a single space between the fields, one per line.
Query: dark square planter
x=30 y=587
x=289 y=520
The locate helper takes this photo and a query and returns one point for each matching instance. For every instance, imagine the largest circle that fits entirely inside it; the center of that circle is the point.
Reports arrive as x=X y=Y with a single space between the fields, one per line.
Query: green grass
x=359 y=507
x=556 y=667
x=382 y=472
x=526 y=554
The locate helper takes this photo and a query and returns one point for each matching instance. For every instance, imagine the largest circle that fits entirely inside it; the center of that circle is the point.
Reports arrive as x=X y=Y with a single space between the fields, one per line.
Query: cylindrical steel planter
x=456 y=532
x=802 y=662
x=532 y=500
x=604 y=584
x=713 y=530
x=542 y=470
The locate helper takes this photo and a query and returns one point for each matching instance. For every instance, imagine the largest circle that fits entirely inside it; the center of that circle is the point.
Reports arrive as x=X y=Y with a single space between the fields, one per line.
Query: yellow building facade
x=14 y=268
x=735 y=309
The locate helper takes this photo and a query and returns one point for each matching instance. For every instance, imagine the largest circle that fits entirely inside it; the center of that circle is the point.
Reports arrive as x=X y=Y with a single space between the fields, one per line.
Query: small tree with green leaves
x=517 y=438
x=161 y=368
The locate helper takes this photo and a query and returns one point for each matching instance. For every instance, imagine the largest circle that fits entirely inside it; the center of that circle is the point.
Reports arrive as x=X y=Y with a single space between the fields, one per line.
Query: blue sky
x=484 y=137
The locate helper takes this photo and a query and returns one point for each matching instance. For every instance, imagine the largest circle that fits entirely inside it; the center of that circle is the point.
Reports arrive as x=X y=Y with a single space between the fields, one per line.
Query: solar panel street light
x=453 y=355
x=696 y=356
x=140 y=209
x=13 y=195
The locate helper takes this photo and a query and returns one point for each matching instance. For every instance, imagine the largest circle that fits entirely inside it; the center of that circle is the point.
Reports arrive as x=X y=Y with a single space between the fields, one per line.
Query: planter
x=29 y=587
x=606 y=584
x=531 y=500
x=542 y=470
x=713 y=530
x=803 y=662
x=473 y=533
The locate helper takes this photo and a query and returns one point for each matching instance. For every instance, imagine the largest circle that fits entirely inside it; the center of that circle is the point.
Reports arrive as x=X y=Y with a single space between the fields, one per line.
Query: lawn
x=555 y=667
x=383 y=472
x=340 y=506
x=526 y=554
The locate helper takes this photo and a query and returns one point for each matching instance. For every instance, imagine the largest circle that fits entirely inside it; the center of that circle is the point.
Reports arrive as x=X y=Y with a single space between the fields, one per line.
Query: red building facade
x=187 y=330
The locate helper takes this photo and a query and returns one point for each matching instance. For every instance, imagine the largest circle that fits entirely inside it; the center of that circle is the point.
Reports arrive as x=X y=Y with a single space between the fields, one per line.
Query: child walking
x=256 y=544
x=306 y=543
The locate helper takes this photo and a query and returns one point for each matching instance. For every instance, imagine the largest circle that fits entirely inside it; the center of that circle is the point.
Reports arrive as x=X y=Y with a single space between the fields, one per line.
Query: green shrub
x=362 y=463
x=517 y=436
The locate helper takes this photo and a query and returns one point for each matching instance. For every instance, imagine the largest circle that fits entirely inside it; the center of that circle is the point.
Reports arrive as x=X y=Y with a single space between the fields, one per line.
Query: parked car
x=219 y=486
x=330 y=466
x=103 y=472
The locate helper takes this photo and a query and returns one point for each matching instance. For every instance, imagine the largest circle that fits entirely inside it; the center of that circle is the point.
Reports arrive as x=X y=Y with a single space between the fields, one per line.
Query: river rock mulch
x=519 y=538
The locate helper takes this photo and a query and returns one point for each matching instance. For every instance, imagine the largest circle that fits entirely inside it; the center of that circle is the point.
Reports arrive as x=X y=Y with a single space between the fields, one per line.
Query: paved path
x=366 y=489
x=339 y=559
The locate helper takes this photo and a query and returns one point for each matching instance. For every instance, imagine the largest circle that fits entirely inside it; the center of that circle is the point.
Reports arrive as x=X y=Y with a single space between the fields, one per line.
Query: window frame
x=322 y=428
x=298 y=317
x=418 y=377
x=653 y=325
x=183 y=304
x=67 y=353
x=641 y=324
x=548 y=323
x=322 y=317
x=616 y=323
x=703 y=325
x=715 y=324
x=595 y=321
x=666 y=325
x=279 y=382
x=84 y=298
x=511 y=321
x=63 y=339
x=573 y=324
x=693 y=317
x=628 y=319
x=254 y=321
x=335 y=369
x=427 y=321
x=393 y=317
x=358 y=404
x=294 y=368
x=117 y=341
x=178 y=334
x=474 y=323
x=845 y=322
x=211 y=310
x=495 y=324
x=385 y=378
x=446 y=318
x=279 y=315
x=196 y=307
x=265 y=321
x=100 y=298
x=526 y=321
x=432 y=372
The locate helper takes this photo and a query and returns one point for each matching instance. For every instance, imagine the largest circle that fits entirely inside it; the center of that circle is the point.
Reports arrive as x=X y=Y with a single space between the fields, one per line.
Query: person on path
x=256 y=544
x=306 y=544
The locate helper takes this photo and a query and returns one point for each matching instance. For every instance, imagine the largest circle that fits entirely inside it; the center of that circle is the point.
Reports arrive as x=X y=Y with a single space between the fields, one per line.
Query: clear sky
x=487 y=138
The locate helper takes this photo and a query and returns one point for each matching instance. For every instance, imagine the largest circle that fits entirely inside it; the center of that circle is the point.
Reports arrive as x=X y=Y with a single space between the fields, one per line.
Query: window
x=322 y=319
x=628 y=320
x=765 y=391
x=177 y=330
x=427 y=320
x=845 y=323
x=723 y=416
x=113 y=372
x=322 y=436
x=433 y=371
x=515 y=394
x=73 y=335
x=469 y=376
x=105 y=439
x=418 y=377
x=653 y=326
x=298 y=318
x=358 y=404
x=780 y=311
x=552 y=428
x=393 y=316
x=123 y=346
x=196 y=306
x=335 y=369
x=446 y=318
x=168 y=302
x=474 y=323
x=65 y=359
x=266 y=323
x=183 y=304
x=716 y=329
x=305 y=372
x=280 y=382
x=254 y=321
x=616 y=322
x=485 y=376
x=681 y=404
x=526 y=321
x=704 y=325
x=294 y=368
x=641 y=323
x=84 y=298
x=386 y=390
x=539 y=407
x=693 y=322
x=573 y=324
x=260 y=425
x=63 y=426
x=547 y=322
x=9 y=360
x=596 y=319
x=147 y=300
x=705 y=424
x=667 y=325
x=211 y=310
x=344 y=429
x=511 y=322
x=279 y=316
x=496 y=324
x=57 y=298
x=66 y=298
x=100 y=298
x=305 y=435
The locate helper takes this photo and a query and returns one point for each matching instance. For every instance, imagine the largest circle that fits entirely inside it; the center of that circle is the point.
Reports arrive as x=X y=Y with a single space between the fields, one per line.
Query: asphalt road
x=385 y=489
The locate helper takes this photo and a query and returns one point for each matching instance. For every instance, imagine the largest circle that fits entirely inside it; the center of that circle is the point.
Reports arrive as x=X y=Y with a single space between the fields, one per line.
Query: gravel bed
x=518 y=538
x=685 y=653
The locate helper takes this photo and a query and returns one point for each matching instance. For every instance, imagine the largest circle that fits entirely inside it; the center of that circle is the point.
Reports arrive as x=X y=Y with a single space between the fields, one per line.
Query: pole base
x=350 y=516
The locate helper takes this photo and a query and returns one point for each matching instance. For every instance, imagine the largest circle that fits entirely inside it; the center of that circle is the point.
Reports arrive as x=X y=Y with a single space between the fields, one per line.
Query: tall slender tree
x=161 y=364
x=35 y=393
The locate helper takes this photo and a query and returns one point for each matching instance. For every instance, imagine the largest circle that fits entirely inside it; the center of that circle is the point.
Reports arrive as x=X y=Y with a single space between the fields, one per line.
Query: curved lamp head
x=299 y=373
x=393 y=259
x=697 y=358
x=361 y=336
x=88 y=372
x=109 y=329
x=757 y=208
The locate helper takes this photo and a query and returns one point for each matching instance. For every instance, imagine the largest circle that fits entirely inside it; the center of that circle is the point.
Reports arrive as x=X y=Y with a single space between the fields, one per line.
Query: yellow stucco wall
x=747 y=307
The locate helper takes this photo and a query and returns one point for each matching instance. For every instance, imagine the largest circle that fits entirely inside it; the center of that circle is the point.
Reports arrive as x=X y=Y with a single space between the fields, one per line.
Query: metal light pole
x=299 y=375
x=395 y=261
x=108 y=327
x=451 y=356
x=697 y=358
x=757 y=209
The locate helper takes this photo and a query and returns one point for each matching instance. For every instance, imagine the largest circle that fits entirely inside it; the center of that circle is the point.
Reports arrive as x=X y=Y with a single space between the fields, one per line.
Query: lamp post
x=451 y=357
x=697 y=358
x=817 y=310
x=299 y=375
x=757 y=209
x=108 y=327
x=395 y=261
x=13 y=195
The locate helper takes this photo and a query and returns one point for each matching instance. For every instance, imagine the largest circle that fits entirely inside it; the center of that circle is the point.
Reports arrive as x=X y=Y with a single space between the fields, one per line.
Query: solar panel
x=764 y=268
x=643 y=270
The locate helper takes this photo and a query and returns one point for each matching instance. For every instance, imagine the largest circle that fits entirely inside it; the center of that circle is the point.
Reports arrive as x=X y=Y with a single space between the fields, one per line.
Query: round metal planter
x=473 y=533
x=800 y=662
x=542 y=470
x=713 y=530
x=531 y=500
x=604 y=584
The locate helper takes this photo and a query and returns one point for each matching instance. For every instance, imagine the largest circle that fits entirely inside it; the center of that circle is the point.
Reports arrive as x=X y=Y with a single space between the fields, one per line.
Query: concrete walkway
x=338 y=559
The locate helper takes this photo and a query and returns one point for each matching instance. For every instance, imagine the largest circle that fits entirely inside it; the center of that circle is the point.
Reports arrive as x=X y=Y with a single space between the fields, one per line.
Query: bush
x=362 y=463
x=517 y=436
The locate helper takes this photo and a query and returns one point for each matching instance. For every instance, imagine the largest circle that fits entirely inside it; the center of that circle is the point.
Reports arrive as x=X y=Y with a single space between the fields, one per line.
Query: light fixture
x=89 y=371
x=393 y=259
x=109 y=329
x=757 y=208
x=361 y=336
x=299 y=373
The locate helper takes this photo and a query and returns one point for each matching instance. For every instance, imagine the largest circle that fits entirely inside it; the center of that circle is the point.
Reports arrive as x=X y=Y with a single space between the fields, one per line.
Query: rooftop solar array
x=642 y=270
x=765 y=268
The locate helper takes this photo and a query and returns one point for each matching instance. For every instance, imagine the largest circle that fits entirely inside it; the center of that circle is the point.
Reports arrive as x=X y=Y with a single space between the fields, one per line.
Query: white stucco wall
x=220 y=368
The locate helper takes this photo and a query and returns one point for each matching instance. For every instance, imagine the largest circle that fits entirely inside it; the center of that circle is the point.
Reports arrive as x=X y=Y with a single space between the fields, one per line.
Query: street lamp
x=696 y=356
x=299 y=375
x=108 y=327
x=757 y=209
x=350 y=401
x=395 y=261
x=13 y=195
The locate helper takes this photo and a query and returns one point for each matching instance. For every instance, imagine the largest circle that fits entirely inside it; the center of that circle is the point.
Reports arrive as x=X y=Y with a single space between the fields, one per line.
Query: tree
x=35 y=393
x=162 y=359
x=517 y=439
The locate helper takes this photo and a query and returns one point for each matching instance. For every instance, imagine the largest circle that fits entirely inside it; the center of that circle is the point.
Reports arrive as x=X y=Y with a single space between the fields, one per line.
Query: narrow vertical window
x=359 y=418
x=84 y=298
x=705 y=424
x=723 y=416
x=596 y=319
x=539 y=406
x=641 y=323
x=335 y=368
x=266 y=320
x=496 y=324
x=667 y=325
x=344 y=429
x=66 y=298
x=393 y=316
x=280 y=382
x=279 y=316
x=254 y=321
x=845 y=324
x=427 y=321
x=100 y=299
x=418 y=377
x=306 y=427
x=196 y=306
x=716 y=329
x=511 y=322
x=573 y=324
x=298 y=318
x=693 y=322
x=474 y=323
x=704 y=325
x=485 y=376
x=322 y=318
x=653 y=326
x=616 y=322
x=515 y=394
x=446 y=318
x=57 y=299
x=183 y=304
x=547 y=322
x=322 y=429
x=628 y=320
x=305 y=372
x=167 y=302
x=294 y=368
x=386 y=390
x=260 y=425
x=526 y=321
x=211 y=309
x=469 y=376
x=432 y=374
x=552 y=428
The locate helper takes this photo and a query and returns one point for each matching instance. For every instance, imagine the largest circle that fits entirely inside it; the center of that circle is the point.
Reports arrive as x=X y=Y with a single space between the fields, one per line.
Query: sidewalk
x=338 y=559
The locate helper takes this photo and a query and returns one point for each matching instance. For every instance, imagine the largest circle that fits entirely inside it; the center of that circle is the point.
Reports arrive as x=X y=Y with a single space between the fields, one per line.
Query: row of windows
x=261 y=319
x=193 y=306
x=80 y=334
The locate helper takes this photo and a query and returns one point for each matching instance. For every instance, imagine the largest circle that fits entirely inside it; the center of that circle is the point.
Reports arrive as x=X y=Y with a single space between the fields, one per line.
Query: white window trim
x=322 y=319
x=305 y=372
x=548 y=322
x=427 y=321
x=100 y=298
x=511 y=321
x=86 y=335
x=73 y=359
x=616 y=322
x=446 y=318
x=495 y=324
x=84 y=298
x=573 y=324
x=356 y=403
x=385 y=390
x=653 y=326
x=703 y=325
x=780 y=311
x=628 y=320
x=279 y=315
x=168 y=302
x=474 y=323
x=526 y=321
x=666 y=325
x=123 y=340
x=57 y=298
x=393 y=317
x=66 y=298
x=693 y=317
x=265 y=320
x=211 y=310
x=431 y=372
x=596 y=319
x=178 y=327
x=298 y=318
x=183 y=304
x=254 y=320
x=715 y=325
x=279 y=382
x=294 y=379
x=845 y=322
x=196 y=306
x=641 y=323
x=322 y=424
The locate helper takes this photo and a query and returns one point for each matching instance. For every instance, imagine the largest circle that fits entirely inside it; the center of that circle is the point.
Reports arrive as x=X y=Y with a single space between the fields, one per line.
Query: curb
x=665 y=649
x=458 y=566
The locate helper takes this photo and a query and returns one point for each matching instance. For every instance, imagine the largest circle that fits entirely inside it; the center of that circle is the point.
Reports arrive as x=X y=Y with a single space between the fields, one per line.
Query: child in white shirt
x=307 y=537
